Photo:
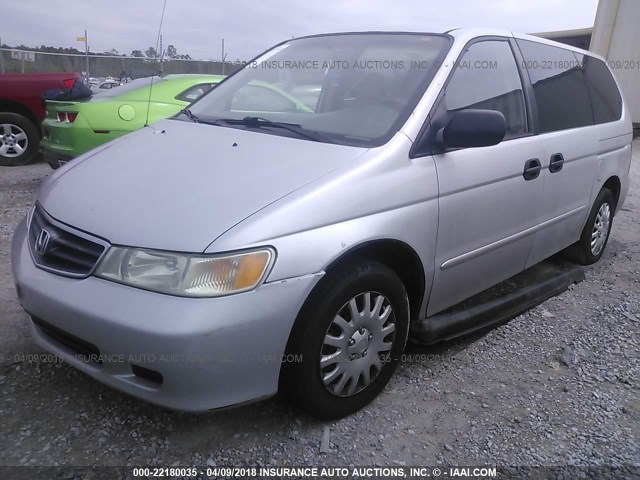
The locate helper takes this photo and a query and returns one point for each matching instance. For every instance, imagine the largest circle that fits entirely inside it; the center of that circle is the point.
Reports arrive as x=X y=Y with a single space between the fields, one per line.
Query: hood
x=179 y=185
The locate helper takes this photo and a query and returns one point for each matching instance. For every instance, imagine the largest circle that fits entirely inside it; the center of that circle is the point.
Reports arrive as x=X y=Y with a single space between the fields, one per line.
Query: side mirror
x=473 y=128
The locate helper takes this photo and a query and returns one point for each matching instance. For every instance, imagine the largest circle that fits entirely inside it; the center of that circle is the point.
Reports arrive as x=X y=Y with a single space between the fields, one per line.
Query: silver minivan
x=329 y=200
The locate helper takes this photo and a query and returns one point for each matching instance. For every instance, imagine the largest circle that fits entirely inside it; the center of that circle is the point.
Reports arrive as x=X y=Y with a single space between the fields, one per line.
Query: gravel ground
x=555 y=386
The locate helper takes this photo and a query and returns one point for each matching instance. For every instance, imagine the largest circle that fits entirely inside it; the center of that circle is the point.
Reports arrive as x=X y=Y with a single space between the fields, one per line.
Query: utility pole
x=86 y=53
x=224 y=56
x=161 y=53
x=1 y=58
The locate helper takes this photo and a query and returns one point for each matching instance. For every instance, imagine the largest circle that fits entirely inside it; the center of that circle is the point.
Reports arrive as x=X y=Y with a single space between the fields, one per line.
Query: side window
x=487 y=77
x=605 y=96
x=559 y=85
x=191 y=94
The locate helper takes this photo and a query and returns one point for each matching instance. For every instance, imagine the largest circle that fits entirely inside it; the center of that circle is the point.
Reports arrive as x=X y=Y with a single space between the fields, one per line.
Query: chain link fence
x=28 y=61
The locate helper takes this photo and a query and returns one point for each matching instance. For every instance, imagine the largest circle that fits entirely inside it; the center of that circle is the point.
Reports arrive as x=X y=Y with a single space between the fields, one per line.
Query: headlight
x=183 y=274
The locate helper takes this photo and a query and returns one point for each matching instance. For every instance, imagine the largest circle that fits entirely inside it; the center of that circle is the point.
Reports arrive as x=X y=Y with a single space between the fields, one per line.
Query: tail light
x=67 y=117
x=69 y=83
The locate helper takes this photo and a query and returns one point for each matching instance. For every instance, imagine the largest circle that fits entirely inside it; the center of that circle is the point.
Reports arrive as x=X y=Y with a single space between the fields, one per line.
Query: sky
x=197 y=27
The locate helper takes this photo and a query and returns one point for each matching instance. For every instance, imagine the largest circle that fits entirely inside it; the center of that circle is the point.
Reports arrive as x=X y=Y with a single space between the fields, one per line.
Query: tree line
x=171 y=52
x=111 y=63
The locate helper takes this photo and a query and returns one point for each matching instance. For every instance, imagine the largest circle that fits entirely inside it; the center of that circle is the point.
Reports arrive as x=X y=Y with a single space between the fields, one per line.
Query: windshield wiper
x=192 y=116
x=195 y=119
x=259 y=122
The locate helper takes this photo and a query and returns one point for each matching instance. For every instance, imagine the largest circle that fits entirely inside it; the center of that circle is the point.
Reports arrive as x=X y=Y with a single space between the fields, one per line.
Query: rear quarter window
x=605 y=96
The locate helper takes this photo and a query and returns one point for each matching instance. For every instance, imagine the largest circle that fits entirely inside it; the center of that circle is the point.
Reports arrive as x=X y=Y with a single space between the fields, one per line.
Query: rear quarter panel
x=105 y=116
x=614 y=154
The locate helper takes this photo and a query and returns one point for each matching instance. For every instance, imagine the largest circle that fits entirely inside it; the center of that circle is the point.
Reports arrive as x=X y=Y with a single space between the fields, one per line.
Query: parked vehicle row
x=104 y=85
x=275 y=245
x=107 y=83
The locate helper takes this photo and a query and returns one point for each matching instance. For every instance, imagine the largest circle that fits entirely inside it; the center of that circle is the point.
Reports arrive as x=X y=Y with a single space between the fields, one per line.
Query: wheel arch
x=399 y=257
x=10 y=106
x=615 y=186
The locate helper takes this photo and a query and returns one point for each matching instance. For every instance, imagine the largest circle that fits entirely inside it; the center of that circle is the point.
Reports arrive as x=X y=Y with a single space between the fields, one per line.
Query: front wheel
x=595 y=234
x=347 y=340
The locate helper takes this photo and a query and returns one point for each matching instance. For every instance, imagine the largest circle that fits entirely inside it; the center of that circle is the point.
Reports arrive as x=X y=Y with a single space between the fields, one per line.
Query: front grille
x=59 y=250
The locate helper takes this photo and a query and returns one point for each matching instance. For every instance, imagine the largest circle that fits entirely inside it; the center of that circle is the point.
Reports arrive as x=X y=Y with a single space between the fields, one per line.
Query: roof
x=565 y=33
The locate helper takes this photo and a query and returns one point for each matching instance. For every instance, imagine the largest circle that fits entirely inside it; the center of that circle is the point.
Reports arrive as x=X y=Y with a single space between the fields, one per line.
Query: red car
x=22 y=112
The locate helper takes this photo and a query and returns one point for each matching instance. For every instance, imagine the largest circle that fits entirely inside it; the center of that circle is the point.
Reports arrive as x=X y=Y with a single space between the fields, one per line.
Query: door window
x=562 y=96
x=487 y=77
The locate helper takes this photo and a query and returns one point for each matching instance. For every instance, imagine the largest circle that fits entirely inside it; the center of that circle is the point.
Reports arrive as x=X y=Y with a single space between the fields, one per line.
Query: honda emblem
x=42 y=242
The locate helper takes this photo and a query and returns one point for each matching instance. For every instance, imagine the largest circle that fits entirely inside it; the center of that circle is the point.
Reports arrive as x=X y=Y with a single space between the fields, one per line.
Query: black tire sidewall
x=33 y=138
x=305 y=384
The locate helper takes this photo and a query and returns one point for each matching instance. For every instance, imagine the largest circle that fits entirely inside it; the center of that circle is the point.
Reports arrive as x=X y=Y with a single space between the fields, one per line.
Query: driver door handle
x=532 y=169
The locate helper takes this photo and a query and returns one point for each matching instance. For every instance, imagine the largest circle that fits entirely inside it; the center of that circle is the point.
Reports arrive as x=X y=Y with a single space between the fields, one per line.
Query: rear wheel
x=19 y=140
x=347 y=340
x=595 y=234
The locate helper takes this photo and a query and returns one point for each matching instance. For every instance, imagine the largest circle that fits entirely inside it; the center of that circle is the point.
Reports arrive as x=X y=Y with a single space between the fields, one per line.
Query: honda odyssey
x=249 y=245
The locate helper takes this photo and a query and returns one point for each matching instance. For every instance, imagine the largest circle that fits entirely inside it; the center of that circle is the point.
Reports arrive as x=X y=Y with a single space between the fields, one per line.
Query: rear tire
x=595 y=234
x=19 y=140
x=347 y=340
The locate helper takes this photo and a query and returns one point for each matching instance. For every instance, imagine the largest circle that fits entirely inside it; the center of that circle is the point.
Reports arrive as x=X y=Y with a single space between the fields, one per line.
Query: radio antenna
x=164 y=6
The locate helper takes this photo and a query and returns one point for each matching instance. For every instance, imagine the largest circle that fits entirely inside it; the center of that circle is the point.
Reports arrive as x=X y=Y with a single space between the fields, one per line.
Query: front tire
x=595 y=234
x=19 y=140
x=347 y=340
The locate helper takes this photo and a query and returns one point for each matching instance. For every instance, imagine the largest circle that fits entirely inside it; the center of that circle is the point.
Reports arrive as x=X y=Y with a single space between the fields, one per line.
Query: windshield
x=351 y=89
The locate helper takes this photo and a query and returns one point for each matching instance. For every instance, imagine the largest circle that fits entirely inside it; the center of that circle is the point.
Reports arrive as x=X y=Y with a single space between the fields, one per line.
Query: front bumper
x=210 y=353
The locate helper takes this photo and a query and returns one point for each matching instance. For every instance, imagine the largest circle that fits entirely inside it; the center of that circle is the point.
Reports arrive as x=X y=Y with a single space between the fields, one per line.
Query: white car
x=106 y=85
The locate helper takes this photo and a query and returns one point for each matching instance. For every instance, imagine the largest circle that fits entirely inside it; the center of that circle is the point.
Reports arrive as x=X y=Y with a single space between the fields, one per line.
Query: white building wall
x=616 y=36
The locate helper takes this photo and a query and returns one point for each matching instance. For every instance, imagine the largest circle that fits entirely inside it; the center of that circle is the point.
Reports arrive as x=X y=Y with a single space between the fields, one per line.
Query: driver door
x=488 y=210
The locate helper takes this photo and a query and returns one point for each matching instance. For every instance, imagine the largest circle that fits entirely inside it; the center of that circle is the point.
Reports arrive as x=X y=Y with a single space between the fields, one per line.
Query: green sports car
x=72 y=128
